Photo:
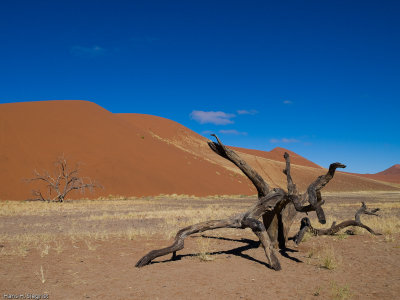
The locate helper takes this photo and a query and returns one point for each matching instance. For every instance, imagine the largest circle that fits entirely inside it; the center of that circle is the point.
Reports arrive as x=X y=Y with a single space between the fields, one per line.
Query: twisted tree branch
x=306 y=226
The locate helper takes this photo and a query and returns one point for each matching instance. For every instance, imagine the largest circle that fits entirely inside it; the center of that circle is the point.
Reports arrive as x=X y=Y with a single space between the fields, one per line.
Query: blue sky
x=320 y=78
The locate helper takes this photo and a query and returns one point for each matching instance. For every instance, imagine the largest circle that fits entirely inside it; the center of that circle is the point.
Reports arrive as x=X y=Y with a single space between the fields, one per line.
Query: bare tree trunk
x=281 y=219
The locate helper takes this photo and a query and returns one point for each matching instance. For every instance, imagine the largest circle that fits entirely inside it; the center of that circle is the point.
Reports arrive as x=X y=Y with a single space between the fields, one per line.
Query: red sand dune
x=391 y=174
x=133 y=154
x=392 y=171
x=268 y=164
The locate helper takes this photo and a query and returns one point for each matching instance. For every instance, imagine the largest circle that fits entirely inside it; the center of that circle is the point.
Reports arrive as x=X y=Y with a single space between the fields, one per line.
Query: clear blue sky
x=321 y=78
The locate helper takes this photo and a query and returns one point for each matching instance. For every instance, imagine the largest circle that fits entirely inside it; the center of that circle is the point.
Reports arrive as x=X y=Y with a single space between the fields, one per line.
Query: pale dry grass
x=51 y=224
x=328 y=259
x=340 y=292
x=171 y=216
x=385 y=194
x=323 y=256
x=204 y=248
x=41 y=275
x=47 y=227
x=59 y=246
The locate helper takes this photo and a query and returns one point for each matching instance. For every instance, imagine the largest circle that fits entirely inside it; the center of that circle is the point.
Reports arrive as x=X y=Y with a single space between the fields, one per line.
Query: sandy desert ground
x=87 y=249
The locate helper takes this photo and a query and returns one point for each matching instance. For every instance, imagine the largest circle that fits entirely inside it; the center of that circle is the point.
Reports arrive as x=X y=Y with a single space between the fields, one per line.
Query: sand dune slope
x=391 y=174
x=268 y=164
x=124 y=158
x=131 y=154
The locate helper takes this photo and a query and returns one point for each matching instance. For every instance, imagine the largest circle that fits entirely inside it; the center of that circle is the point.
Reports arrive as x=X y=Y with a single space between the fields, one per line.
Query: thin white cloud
x=287 y=102
x=247 y=112
x=88 y=51
x=283 y=140
x=232 y=131
x=212 y=117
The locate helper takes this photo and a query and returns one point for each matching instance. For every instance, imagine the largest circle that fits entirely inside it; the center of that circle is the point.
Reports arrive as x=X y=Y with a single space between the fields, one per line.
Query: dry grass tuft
x=90 y=246
x=44 y=250
x=317 y=291
x=341 y=235
x=59 y=246
x=307 y=236
x=328 y=259
x=204 y=249
x=340 y=292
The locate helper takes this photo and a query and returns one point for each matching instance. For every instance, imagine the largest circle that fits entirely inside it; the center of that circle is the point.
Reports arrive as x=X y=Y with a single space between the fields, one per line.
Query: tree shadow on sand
x=238 y=251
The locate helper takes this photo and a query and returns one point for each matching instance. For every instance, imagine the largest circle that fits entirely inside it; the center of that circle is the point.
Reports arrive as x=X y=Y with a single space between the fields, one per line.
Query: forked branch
x=313 y=194
x=306 y=226
x=219 y=148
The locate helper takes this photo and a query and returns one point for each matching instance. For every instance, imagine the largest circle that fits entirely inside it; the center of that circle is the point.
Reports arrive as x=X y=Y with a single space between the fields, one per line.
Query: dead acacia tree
x=277 y=208
x=63 y=181
x=306 y=226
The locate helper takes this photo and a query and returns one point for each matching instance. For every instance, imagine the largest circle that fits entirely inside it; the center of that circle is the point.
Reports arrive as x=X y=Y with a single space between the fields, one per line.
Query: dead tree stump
x=276 y=206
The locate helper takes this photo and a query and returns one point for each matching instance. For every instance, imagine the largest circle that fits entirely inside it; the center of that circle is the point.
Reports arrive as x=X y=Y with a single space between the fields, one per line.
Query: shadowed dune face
x=131 y=154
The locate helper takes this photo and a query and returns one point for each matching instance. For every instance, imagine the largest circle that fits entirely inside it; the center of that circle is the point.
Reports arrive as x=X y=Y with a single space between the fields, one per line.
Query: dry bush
x=60 y=182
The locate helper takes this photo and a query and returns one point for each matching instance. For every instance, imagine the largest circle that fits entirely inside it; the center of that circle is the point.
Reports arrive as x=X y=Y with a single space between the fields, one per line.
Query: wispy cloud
x=88 y=51
x=247 y=112
x=212 y=117
x=283 y=140
x=287 y=102
x=233 y=132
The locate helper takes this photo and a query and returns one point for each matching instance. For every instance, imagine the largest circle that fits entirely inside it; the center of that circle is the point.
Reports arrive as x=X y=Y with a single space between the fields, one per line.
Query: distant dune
x=135 y=154
x=391 y=174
